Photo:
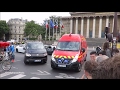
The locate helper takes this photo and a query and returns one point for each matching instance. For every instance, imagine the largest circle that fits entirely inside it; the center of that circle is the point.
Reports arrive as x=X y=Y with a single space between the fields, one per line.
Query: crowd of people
x=103 y=65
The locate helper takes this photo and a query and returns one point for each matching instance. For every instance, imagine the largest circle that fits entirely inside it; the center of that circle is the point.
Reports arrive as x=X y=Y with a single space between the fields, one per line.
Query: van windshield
x=35 y=46
x=68 y=46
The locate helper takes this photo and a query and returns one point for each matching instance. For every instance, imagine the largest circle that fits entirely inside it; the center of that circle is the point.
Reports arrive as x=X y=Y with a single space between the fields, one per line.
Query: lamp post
x=114 y=41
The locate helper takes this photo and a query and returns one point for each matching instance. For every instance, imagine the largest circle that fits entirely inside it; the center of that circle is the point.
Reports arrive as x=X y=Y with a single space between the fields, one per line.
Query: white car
x=20 y=48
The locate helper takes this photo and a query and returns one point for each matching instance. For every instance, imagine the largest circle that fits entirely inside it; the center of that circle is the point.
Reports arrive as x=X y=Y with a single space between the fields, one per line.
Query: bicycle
x=4 y=58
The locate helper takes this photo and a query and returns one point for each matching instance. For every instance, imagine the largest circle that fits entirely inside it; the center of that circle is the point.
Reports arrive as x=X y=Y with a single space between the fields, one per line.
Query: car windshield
x=35 y=46
x=68 y=46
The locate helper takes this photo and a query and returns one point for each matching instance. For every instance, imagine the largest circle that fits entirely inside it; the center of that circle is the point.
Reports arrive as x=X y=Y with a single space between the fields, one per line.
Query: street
x=37 y=71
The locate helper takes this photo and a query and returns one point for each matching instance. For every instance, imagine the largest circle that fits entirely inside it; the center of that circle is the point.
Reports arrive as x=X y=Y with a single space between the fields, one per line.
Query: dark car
x=35 y=52
x=50 y=49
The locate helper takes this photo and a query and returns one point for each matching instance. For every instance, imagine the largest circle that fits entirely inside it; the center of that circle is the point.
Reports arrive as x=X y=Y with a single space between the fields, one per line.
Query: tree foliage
x=33 y=30
x=4 y=29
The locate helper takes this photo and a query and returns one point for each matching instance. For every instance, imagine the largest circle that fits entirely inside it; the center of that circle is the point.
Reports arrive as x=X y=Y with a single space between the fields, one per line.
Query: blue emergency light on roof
x=70 y=34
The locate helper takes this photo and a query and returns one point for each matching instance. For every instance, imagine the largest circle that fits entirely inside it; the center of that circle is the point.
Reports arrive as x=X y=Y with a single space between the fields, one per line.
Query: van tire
x=85 y=57
x=53 y=67
x=78 y=69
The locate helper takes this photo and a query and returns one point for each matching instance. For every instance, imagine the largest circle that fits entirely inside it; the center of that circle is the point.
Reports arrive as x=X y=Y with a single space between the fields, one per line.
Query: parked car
x=35 y=52
x=20 y=48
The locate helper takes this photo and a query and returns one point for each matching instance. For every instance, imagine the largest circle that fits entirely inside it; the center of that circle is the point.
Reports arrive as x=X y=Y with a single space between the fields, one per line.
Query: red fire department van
x=70 y=52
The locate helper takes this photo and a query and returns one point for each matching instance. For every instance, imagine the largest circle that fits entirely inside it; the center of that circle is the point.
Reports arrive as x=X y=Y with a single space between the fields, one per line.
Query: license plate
x=37 y=61
x=61 y=65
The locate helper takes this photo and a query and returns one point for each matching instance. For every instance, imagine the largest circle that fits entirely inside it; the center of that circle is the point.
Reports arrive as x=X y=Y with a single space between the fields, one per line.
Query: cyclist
x=11 y=50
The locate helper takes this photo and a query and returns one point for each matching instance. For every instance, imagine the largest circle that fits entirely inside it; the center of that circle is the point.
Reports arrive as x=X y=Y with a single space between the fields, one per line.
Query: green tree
x=33 y=30
x=4 y=29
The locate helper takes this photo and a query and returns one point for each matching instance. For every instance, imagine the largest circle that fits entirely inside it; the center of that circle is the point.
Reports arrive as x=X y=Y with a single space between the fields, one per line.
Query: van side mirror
x=83 y=50
x=53 y=48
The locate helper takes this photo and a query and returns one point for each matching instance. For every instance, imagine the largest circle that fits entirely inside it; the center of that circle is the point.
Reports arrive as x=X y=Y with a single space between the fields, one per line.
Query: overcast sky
x=36 y=16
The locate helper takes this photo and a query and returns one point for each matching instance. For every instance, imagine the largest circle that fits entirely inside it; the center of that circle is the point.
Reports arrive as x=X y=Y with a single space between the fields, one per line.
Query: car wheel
x=25 y=62
x=17 y=50
x=79 y=67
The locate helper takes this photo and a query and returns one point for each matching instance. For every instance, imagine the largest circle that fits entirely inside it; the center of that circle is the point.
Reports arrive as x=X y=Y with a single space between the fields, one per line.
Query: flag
x=51 y=24
x=61 y=25
x=46 y=24
x=56 y=24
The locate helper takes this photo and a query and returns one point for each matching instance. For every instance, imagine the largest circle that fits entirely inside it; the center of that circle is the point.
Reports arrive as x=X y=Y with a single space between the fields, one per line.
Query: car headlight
x=27 y=54
x=75 y=58
x=52 y=58
x=45 y=54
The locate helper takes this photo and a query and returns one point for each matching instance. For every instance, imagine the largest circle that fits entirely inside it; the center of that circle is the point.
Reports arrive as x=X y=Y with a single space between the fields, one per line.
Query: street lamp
x=114 y=41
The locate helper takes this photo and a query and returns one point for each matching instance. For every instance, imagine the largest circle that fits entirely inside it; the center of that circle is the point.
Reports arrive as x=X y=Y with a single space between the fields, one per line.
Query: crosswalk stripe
x=35 y=78
x=5 y=74
x=17 y=76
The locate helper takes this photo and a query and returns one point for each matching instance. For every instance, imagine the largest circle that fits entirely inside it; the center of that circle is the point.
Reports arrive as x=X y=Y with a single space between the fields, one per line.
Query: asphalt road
x=37 y=71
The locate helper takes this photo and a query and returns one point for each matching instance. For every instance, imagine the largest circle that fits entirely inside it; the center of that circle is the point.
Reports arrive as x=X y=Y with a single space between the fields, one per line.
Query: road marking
x=5 y=74
x=64 y=75
x=35 y=78
x=17 y=76
x=14 y=67
x=41 y=72
x=59 y=77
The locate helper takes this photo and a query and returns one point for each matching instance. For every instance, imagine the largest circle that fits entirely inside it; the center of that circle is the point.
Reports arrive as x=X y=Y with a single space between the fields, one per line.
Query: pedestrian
x=12 y=51
x=106 y=31
x=109 y=37
x=116 y=51
x=93 y=55
x=107 y=49
x=107 y=69
x=101 y=56
x=88 y=67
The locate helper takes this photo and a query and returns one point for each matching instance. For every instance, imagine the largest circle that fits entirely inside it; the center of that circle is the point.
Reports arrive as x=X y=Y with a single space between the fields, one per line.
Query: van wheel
x=78 y=69
x=85 y=58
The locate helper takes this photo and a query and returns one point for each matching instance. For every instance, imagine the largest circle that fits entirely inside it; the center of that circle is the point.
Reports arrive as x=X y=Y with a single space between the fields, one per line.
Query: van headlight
x=52 y=58
x=27 y=54
x=75 y=58
x=45 y=54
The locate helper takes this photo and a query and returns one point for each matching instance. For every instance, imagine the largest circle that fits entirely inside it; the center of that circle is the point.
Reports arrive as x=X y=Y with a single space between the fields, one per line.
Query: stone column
x=82 y=23
x=113 y=24
x=100 y=27
x=71 y=25
x=107 y=21
x=88 y=27
x=76 y=31
x=93 y=33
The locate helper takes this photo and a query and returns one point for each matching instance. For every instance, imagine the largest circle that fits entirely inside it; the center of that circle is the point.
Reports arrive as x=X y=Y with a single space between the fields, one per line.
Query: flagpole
x=60 y=26
x=56 y=28
x=46 y=31
x=53 y=29
x=49 y=29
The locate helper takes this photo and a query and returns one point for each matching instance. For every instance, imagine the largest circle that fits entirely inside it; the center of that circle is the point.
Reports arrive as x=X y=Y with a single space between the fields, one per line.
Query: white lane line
x=17 y=76
x=40 y=71
x=5 y=74
x=35 y=78
x=59 y=77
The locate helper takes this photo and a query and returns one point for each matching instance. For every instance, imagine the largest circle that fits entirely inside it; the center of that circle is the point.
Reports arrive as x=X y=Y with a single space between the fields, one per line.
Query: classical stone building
x=16 y=28
x=89 y=24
